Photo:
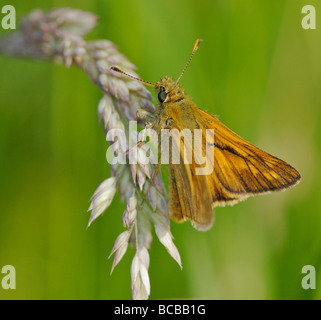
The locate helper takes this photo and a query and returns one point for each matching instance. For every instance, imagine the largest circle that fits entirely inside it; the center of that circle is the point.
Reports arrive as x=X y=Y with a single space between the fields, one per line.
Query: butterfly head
x=167 y=89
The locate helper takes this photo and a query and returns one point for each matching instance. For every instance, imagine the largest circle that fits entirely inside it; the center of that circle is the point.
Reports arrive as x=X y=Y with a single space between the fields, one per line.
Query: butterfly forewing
x=241 y=168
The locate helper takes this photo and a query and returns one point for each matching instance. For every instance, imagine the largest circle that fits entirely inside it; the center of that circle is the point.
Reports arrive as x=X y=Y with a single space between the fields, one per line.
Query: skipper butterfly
x=240 y=169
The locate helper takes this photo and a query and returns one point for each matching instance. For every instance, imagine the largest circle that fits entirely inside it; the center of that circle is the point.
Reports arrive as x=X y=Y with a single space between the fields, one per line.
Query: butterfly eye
x=162 y=95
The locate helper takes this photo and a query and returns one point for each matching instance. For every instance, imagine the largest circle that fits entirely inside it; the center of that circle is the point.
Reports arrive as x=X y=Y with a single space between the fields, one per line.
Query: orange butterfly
x=240 y=168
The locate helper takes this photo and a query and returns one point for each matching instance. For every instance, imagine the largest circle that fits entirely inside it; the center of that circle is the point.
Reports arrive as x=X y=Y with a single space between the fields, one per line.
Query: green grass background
x=257 y=69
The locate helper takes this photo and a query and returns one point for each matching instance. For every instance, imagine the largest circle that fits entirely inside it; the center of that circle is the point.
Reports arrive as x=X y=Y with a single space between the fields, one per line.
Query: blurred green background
x=257 y=69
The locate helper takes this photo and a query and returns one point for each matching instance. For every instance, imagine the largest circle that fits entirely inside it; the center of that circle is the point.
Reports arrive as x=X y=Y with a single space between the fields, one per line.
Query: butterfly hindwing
x=194 y=200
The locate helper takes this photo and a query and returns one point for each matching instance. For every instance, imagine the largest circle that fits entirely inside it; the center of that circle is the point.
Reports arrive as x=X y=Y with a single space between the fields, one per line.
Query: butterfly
x=240 y=169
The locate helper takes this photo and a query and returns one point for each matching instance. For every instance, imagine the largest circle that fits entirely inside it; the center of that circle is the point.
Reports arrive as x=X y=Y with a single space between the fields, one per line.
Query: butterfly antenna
x=190 y=58
x=130 y=76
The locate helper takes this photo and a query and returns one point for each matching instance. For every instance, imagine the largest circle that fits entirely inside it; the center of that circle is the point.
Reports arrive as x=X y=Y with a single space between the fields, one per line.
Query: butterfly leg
x=152 y=180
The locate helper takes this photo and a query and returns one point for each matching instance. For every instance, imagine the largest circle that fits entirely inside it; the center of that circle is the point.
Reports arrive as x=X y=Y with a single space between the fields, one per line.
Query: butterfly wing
x=190 y=198
x=240 y=168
